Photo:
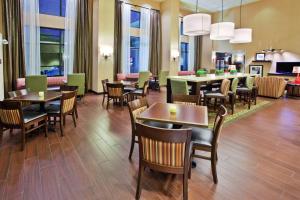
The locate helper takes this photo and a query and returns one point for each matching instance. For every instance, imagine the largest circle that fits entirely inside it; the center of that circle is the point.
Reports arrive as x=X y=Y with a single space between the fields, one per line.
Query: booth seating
x=52 y=82
x=128 y=77
x=186 y=73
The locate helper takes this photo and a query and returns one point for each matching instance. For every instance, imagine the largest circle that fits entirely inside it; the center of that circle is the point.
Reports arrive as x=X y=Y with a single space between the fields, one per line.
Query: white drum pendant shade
x=242 y=35
x=196 y=24
x=222 y=31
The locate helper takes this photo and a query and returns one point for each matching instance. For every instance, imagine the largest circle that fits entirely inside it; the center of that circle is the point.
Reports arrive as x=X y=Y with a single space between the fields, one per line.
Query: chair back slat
x=115 y=89
x=11 y=113
x=164 y=147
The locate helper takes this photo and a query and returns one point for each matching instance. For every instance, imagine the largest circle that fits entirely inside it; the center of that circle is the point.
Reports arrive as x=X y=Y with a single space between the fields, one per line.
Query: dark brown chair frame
x=123 y=96
x=219 y=120
x=164 y=135
x=68 y=88
x=61 y=115
x=25 y=127
x=145 y=91
x=105 y=93
x=194 y=99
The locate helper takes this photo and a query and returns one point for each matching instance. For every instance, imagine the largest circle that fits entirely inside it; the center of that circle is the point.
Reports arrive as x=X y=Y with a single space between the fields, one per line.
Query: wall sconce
x=106 y=51
x=174 y=54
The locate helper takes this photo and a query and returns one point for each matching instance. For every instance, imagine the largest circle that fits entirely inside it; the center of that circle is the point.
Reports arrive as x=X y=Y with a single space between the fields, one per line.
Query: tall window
x=52 y=47
x=53 y=7
x=184 y=56
x=134 y=54
x=135 y=21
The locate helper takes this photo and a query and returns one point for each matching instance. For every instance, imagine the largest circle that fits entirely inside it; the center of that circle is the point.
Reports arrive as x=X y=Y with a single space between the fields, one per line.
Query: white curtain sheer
x=69 y=39
x=125 y=62
x=191 y=61
x=144 y=57
x=32 y=37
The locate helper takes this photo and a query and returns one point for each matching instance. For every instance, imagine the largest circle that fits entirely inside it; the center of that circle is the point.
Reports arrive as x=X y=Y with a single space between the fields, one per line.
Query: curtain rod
x=138 y=6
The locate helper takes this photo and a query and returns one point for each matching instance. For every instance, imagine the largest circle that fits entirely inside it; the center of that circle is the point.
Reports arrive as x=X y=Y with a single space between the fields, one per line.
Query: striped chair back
x=68 y=101
x=145 y=88
x=18 y=93
x=193 y=100
x=164 y=148
x=225 y=86
x=136 y=107
x=115 y=89
x=11 y=113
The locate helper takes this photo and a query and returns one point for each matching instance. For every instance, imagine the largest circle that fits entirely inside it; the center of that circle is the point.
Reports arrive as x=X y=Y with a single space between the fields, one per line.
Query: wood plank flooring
x=259 y=158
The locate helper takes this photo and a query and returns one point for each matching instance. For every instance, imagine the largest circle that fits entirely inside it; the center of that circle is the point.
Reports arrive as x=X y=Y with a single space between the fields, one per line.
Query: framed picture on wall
x=256 y=70
x=260 y=56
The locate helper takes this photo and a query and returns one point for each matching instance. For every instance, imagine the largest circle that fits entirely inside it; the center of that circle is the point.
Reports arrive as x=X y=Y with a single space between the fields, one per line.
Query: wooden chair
x=221 y=95
x=162 y=78
x=135 y=108
x=104 y=89
x=26 y=106
x=232 y=93
x=12 y=116
x=204 y=139
x=66 y=107
x=115 y=92
x=164 y=150
x=179 y=87
x=186 y=99
x=141 y=92
x=247 y=93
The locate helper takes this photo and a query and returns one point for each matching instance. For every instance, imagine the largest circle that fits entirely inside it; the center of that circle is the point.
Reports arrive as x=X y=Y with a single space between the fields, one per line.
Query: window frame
x=184 y=53
x=139 y=21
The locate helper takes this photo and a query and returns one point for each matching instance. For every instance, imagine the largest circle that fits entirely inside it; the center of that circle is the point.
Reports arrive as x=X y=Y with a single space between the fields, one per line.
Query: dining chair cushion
x=30 y=116
x=31 y=108
x=163 y=153
x=53 y=109
x=215 y=95
x=202 y=137
x=243 y=90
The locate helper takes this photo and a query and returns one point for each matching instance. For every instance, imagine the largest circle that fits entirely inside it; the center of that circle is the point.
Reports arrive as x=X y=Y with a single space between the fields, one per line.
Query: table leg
x=169 y=91
x=42 y=107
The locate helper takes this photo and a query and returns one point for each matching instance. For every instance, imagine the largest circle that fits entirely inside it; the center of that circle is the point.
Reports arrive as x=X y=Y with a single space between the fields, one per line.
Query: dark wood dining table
x=34 y=97
x=188 y=115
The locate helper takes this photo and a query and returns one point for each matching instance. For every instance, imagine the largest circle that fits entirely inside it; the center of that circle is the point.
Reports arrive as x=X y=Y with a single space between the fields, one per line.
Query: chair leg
x=76 y=112
x=232 y=103
x=214 y=166
x=46 y=127
x=74 y=118
x=103 y=99
x=61 y=127
x=23 y=139
x=185 y=186
x=132 y=146
x=249 y=100
x=64 y=120
x=107 y=103
x=138 y=190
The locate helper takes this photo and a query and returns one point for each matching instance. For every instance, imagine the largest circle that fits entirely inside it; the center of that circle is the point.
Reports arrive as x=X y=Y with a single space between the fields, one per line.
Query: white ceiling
x=212 y=5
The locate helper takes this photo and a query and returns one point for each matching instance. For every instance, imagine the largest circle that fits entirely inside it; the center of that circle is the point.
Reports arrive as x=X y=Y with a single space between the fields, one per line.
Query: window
x=53 y=7
x=184 y=56
x=181 y=27
x=135 y=19
x=134 y=54
x=52 y=47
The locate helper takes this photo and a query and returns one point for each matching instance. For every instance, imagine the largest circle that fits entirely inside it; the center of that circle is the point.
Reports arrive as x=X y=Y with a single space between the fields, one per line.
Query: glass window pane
x=134 y=54
x=53 y=7
x=135 y=19
x=184 y=56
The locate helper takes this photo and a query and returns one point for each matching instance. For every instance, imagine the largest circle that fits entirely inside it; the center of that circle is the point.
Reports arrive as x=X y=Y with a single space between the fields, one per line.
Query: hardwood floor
x=258 y=159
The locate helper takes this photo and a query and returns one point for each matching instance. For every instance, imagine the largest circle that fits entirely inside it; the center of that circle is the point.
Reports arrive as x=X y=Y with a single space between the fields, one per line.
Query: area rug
x=241 y=111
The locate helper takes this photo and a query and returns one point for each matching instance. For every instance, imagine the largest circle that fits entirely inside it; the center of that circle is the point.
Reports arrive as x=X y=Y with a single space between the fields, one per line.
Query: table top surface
x=35 y=98
x=209 y=77
x=185 y=114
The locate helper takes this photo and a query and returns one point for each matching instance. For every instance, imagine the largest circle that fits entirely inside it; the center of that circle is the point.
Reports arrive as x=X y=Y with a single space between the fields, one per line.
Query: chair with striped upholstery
x=12 y=116
x=141 y=92
x=164 y=150
x=25 y=105
x=186 y=99
x=207 y=140
x=135 y=108
x=66 y=107
x=221 y=95
x=115 y=92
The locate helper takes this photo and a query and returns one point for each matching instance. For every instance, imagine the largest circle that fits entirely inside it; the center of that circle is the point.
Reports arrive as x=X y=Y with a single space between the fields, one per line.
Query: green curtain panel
x=83 y=59
x=118 y=38
x=198 y=47
x=155 y=42
x=13 y=55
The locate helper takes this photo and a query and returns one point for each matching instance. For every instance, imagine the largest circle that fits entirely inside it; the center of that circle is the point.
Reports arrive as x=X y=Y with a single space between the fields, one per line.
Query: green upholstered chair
x=78 y=80
x=162 y=78
x=36 y=83
x=179 y=87
x=143 y=77
x=232 y=93
x=246 y=92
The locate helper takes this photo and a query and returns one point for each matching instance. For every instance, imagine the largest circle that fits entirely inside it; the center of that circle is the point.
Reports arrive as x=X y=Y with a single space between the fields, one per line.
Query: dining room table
x=177 y=114
x=38 y=98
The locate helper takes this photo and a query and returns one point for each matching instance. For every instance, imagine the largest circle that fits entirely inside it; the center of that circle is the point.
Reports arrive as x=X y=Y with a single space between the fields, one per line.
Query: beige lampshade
x=296 y=69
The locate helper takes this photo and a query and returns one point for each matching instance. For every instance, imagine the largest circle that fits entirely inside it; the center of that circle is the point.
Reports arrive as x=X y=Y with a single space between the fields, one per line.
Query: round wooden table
x=293 y=90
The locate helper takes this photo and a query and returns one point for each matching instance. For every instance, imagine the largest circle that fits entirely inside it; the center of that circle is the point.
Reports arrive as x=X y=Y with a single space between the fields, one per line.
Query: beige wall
x=275 y=24
x=170 y=34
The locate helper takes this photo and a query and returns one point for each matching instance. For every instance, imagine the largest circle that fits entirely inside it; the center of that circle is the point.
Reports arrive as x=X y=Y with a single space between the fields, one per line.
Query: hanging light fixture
x=222 y=30
x=242 y=35
x=196 y=24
